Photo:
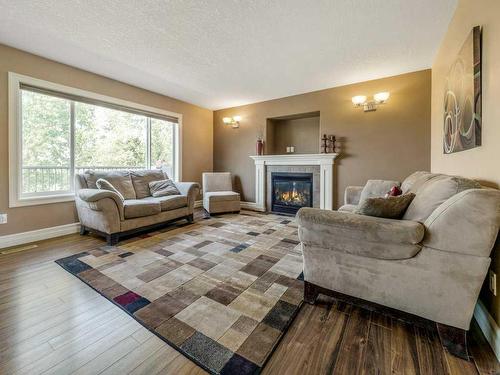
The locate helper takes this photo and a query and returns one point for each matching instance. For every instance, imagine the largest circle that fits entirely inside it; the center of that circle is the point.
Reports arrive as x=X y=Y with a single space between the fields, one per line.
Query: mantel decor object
x=259 y=147
x=328 y=144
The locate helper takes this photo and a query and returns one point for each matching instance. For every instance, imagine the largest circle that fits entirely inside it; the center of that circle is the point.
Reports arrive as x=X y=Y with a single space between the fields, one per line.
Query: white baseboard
x=38 y=235
x=252 y=206
x=489 y=327
x=62 y=230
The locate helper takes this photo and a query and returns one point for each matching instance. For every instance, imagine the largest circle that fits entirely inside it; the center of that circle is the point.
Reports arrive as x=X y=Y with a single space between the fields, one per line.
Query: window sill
x=36 y=201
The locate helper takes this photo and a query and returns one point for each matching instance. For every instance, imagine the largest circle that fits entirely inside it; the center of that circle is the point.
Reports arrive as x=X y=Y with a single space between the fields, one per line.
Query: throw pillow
x=376 y=188
x=103 y=184
x=163 y=187
x=389 y=208
x=394 y=192
x=434 y=192
x=120 y=180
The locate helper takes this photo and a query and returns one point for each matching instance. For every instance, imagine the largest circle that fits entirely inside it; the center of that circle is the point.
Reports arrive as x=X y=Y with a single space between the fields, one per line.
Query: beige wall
x=390 y=143
x=482 y=163
x=196 y=143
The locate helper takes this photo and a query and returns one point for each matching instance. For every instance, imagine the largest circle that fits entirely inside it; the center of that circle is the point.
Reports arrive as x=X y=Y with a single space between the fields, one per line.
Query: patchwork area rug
x=222 y=291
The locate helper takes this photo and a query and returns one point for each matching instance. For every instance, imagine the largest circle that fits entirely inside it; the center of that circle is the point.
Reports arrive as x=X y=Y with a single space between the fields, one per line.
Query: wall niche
x=300 y=131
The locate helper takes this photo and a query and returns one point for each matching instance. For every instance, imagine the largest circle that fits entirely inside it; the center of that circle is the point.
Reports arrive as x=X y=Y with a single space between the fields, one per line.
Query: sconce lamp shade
x=233 y=121
x=358 y=100
x=381 y=97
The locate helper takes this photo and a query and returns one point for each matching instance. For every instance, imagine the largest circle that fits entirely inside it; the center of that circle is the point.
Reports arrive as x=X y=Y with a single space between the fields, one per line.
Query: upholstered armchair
x=218 y=194
x=431 y=264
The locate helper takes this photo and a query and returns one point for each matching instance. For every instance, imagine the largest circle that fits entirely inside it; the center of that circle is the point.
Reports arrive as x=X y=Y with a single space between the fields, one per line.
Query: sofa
x=428 y=266
x=132 y=208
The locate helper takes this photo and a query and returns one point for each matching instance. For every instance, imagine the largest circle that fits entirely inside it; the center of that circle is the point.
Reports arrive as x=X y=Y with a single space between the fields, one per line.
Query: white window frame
x=15 y=140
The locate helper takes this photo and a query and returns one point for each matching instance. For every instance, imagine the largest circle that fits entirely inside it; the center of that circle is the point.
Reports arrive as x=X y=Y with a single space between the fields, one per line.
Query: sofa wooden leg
x=190 y=218
x=83 y=230
x=112 y=238
x=454 y=340
x=311 y=292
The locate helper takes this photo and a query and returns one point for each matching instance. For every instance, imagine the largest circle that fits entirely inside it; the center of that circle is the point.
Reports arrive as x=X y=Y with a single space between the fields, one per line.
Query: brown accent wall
x=196 y=138
x=482 y=163
x=302 y=133
x=390 y=143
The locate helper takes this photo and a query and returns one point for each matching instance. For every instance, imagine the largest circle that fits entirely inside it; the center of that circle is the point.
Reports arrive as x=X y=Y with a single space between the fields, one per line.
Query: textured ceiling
x=222 y=53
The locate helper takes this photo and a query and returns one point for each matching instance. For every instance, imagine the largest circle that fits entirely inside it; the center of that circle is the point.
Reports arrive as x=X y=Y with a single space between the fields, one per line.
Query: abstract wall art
x=462 y=98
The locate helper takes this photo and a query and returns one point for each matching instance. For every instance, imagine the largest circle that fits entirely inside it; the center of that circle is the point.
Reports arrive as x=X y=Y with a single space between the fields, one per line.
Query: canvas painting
x=462 y=101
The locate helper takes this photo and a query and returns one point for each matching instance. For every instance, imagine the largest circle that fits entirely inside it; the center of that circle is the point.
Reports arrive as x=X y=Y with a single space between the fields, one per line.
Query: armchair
x=218 y=194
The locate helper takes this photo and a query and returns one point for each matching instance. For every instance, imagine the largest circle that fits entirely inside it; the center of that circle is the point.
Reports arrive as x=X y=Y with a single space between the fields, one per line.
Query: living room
x=249 y=187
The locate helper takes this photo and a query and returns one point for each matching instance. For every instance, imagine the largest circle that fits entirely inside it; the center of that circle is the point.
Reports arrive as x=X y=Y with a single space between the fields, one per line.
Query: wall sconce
x=368 y=106
x=233 y=121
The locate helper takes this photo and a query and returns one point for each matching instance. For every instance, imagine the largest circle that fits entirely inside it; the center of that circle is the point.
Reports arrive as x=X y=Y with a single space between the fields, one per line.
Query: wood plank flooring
x=52 y=323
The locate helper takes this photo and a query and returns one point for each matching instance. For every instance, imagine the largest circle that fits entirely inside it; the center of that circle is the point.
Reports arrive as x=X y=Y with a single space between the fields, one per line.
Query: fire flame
x=292 y=196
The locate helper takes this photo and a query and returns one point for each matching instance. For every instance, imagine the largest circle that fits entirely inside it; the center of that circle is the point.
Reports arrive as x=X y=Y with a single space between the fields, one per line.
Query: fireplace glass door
x=291 y=191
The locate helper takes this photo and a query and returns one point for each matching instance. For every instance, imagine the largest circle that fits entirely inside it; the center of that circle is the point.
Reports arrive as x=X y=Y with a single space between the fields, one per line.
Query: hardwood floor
x=52 y=323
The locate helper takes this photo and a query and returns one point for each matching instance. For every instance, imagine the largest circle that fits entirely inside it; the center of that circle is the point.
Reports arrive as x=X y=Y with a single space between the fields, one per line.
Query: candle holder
x=328 y=144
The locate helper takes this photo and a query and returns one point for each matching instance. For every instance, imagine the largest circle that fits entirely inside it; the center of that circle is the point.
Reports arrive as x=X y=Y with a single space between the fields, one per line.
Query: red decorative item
x=260 y=147
x=395 y=191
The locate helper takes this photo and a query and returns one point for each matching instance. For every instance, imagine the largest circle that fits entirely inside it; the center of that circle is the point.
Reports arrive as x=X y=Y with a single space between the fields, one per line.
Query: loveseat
x=132 y=208
x=429 y=264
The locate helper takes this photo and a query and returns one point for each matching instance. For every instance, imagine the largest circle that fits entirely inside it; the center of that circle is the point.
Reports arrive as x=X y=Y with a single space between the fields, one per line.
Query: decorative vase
x=260 y=147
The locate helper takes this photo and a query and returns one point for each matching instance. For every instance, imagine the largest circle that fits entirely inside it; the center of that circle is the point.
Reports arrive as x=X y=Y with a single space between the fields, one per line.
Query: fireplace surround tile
x=314 y=169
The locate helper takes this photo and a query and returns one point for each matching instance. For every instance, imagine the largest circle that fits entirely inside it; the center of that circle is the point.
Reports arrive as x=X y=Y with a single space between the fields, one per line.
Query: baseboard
x=489 y=327
x=38 y=235
x=62 y=230
x=252 y=206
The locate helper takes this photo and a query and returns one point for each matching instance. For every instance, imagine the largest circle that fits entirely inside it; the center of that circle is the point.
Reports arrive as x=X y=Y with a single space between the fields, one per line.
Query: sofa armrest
x=466 y=223
x=352 y=194
x=191 y=190
x=92 y=197
x=358 y=227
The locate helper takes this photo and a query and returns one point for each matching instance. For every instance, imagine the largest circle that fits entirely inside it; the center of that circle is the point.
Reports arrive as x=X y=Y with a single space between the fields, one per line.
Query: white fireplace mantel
x=325 y=161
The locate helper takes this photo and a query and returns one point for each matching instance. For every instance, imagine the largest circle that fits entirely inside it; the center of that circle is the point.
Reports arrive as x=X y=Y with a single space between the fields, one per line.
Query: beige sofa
x=431 y=264
x=104 y=211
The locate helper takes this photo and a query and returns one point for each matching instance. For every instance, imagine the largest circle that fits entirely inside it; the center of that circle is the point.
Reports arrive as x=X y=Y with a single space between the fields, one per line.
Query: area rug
x=222 y=291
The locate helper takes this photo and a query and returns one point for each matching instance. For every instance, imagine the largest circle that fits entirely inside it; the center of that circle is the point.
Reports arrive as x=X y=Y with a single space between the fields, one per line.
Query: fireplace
x=291 y=191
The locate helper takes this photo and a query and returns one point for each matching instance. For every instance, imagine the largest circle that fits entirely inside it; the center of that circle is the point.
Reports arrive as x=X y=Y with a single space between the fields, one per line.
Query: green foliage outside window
x=104 y=139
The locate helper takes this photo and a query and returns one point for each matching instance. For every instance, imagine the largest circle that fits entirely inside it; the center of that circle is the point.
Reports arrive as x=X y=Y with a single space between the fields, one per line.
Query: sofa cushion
x=163 y=188
x=103 y=184
x=467 y=223
x=142 y=178
x=434 y=192
x=219 y=196
x=360 y=235
x=119 y=179
x=140 y=207
x=390 y=207
x=217 y=181
x=170 y=202
x=376 y=188
x=348 y=208
x=412 y=183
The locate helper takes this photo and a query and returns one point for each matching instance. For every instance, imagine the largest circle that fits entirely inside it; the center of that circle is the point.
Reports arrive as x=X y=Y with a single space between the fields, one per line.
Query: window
x=57 y=131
